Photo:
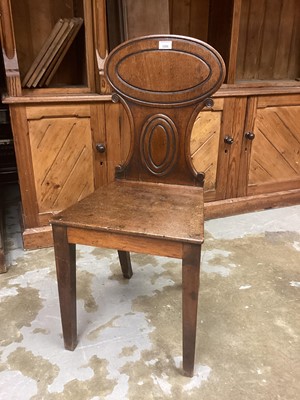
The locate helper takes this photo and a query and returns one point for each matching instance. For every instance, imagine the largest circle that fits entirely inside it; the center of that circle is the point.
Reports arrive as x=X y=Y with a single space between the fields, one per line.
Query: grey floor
x=248 y=344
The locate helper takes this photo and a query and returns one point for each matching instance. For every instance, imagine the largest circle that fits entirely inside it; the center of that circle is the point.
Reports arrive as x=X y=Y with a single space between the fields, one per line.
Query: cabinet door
x=62 y=156
x=275 y=155
x=204 y=147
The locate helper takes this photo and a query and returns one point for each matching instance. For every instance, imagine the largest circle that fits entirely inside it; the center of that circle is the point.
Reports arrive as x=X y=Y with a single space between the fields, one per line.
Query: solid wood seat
x=155 y=204
x=141 y=209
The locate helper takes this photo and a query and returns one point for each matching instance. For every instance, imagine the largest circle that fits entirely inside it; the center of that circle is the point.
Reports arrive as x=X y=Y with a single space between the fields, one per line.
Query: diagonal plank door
x=62 y=158
x=275 y=154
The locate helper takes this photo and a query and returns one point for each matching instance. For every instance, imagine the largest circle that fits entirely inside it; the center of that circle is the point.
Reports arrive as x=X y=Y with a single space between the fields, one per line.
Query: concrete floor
x=248 y=344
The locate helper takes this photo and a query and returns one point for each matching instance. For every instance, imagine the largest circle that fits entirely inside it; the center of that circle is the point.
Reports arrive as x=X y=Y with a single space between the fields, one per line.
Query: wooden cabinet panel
x=269 y=40
x=157 y=20
x=275 y=154
x=245 y=166
x=189 y=18
x=231 y=140
x=118 y=137
x=205 y=146
x=62 y=158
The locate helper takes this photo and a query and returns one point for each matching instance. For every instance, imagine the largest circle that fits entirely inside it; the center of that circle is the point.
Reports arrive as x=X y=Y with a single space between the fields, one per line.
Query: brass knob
x=100 y=147
x=228 y=139
x=249 y=135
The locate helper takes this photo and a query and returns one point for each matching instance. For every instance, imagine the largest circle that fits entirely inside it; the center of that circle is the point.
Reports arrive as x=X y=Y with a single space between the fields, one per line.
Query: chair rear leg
x=190 y=289
x=65 y=258
x=124 y=257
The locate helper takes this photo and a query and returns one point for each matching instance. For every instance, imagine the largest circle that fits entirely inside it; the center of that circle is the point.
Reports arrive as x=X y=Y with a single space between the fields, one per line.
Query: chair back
x=163 y=82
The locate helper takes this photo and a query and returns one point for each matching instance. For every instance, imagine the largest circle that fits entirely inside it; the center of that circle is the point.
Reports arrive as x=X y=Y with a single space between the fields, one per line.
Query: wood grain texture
x=205 y=146
x=229 y=154
x=180 y=17
x=220 y=29
x=125 y=242
x=234 y=34
x=98 y=130
x=234 y=151
x=269 y=40
x=69 y=96
x=278 y=136
x=164 y=211
x=279 y=100
x=162 y=100
x=157 y=21
x=37 y=237
x=246 y=204
x=63 y=162
x=189 y=72
x=274 y=187
x=118 y=138
x=246 y=147
x=57 y=111
x=189 y=18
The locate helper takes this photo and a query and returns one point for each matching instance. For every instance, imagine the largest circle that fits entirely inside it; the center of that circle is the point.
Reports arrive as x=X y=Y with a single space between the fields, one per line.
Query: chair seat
x=142 y=209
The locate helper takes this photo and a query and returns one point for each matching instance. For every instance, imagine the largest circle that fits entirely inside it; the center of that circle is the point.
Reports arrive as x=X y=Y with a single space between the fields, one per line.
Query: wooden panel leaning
x=155 y=204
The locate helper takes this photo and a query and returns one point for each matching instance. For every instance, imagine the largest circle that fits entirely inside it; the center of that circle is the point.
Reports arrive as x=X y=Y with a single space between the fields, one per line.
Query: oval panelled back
x=165 y=70
x=163 y=81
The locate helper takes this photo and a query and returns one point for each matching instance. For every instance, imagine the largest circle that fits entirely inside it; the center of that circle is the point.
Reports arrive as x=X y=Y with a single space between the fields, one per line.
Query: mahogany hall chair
x=155 y=204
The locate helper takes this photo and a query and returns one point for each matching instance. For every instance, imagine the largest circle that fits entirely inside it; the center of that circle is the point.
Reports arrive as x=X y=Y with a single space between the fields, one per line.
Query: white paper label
x=165 y=45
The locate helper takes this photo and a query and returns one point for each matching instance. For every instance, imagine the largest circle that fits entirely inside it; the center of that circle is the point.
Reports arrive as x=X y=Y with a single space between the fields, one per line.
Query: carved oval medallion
x=185 y=72
x=159 y=144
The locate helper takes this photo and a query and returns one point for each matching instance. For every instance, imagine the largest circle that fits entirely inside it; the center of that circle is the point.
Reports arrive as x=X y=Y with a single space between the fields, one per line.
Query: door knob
x=100 y=147
x=249 y=135
x=228 y=139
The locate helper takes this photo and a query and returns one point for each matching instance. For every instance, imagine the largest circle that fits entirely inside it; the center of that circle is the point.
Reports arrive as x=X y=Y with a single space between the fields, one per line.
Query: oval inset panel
x=159 y=144
x=190 y=72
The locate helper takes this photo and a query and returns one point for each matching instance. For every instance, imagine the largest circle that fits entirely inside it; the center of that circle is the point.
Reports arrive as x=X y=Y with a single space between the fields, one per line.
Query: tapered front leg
x=124 y=257
x=65 y=258
x=190 y=289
